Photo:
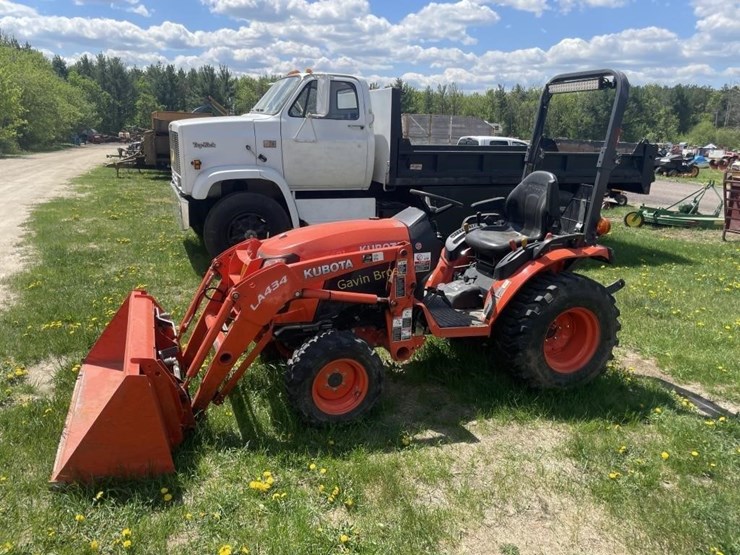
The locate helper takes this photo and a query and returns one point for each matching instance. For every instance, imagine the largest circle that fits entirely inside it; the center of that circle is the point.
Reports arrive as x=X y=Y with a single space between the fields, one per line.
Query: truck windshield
x=276 y=96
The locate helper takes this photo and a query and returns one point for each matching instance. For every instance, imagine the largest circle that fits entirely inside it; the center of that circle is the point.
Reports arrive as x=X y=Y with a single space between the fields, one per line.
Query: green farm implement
x=680 y=213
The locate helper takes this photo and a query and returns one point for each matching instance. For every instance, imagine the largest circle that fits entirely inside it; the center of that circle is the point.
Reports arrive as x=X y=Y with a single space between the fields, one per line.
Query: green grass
x=456 y=457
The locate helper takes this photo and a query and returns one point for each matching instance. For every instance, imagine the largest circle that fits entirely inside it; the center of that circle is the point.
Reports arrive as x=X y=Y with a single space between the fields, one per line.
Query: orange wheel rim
x=572 y=340
x=340 y=386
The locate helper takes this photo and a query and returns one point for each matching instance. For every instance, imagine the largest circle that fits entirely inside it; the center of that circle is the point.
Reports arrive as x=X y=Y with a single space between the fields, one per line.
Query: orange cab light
x=603 y=227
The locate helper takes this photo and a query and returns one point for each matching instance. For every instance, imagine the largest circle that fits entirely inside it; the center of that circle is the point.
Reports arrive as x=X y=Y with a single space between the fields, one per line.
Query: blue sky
x=476 y=44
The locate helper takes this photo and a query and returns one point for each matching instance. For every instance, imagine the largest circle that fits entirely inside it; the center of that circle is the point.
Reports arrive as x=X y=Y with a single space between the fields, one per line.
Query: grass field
x=457 y=457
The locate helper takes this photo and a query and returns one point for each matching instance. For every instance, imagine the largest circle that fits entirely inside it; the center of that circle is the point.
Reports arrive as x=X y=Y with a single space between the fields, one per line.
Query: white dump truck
x=324 y=147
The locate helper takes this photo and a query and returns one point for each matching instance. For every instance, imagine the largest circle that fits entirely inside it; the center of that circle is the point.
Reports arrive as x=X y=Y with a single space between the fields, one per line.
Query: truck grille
x=175 y=152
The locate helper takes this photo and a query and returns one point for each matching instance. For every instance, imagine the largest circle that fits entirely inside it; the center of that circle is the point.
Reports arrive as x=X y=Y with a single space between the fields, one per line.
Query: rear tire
x=334 y=377
x=694 y=172
x=241 y=216
x=621 y=199
x=558 y=332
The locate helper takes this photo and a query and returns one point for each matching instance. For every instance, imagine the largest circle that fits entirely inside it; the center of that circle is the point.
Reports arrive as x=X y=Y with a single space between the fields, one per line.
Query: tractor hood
x=336 y=238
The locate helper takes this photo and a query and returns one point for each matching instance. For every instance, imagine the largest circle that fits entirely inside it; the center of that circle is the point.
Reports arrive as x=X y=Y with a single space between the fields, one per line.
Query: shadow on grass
x=197 y=255
x=435 y=396
x=632 y=254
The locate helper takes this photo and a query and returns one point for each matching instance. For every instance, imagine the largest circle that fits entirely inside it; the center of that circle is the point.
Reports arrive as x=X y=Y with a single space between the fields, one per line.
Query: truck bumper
x=181 y=204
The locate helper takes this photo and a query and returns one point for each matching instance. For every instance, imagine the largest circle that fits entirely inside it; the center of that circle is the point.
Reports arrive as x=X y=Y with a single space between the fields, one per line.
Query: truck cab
x=238 y=177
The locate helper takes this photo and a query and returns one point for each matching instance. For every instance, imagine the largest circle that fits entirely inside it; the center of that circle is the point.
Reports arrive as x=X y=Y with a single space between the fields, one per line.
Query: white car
x=486 y=140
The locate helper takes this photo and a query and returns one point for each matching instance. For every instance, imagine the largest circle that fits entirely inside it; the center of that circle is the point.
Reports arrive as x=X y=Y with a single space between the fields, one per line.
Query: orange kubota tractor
x=324 y=297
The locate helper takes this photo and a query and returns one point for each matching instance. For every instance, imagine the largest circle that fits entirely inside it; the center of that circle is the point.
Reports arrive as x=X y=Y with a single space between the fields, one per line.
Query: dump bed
x=492 y=170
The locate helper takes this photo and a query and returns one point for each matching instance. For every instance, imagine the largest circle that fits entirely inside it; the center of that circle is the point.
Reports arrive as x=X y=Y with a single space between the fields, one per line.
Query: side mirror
x=322 y=96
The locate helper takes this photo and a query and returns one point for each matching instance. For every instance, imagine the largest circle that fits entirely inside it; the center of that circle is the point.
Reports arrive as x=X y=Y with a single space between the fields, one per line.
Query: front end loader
x=323 y=298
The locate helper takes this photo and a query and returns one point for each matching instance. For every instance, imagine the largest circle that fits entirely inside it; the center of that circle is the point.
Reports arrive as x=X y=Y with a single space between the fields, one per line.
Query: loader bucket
x=128 y=410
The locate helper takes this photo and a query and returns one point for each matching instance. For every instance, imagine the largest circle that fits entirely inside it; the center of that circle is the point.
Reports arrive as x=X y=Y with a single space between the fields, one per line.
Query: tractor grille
x=175 y=152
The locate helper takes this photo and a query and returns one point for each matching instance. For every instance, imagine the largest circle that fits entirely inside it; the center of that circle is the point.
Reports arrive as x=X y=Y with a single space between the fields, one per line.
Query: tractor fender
x=557 y=260
x=208 y=178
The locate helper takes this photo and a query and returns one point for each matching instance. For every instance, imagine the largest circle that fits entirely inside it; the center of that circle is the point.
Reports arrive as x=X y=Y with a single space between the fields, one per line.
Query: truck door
x=330 y=152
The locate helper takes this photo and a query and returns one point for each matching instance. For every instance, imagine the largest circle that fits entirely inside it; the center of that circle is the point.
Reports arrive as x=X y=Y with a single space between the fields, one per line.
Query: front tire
x=559 y=331
x=240 y=216
x=334 y=377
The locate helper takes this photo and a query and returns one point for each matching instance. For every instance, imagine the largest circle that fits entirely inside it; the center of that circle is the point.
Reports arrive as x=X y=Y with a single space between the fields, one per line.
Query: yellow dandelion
x=709 y=422
x=695 y=453
x=349 y=503
x=664 y=455
x=127 y=544
x=163 y=491
x=614 y=475
x=721 y=419
x=344 y=538
x=94 y=545
x=335 y=491
x=657 y=410
x=312 y=466
x=323 y=471
x=266 y=474
x=167 y=497
x=321 y=487
x=244 y=549
x=224 y=550
x=126 y=532
x=99 y=495
x=79 y=517
x=622 y=449
x=270 y=480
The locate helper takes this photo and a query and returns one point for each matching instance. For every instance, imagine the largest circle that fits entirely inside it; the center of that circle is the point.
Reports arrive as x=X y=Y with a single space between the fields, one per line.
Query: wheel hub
x=571 y=340
x=335 y=380
x=340 y=386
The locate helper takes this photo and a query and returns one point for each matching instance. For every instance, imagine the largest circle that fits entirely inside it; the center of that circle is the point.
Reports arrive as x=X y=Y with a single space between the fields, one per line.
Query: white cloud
x=436 y=22
x=568 y=5
x=279 y=10
x=534 y=6
x=139 y=9
x=433 y=45
x=12 y=9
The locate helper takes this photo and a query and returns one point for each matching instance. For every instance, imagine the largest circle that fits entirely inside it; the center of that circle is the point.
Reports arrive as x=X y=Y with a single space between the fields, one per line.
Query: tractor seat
x=531 y=210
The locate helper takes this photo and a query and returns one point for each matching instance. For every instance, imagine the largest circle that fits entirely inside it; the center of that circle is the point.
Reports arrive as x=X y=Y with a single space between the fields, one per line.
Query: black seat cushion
x=531 y=210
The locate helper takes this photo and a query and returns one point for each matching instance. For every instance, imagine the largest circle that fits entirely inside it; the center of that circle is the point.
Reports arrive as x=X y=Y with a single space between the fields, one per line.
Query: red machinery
x=323 y=297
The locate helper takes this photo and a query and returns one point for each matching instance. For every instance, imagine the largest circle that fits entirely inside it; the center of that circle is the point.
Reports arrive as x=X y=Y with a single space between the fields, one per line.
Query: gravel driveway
x=28 y=180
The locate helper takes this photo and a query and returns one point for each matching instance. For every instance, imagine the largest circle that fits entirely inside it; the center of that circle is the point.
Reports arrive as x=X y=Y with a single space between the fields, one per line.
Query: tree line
x=44 y=102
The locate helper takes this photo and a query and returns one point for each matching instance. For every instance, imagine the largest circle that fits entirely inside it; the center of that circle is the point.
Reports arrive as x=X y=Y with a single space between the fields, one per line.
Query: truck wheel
x=334 y=377
x=559 y=332
x=241 y=216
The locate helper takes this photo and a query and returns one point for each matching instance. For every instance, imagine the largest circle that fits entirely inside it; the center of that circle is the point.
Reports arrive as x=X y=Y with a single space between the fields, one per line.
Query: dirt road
x=665 y=193
x=28 y=180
